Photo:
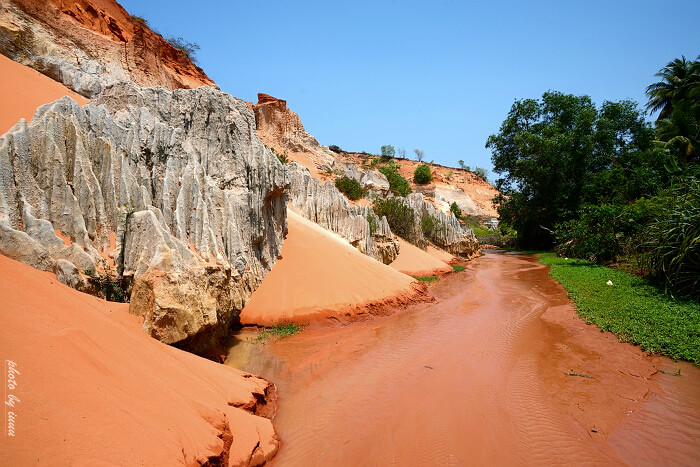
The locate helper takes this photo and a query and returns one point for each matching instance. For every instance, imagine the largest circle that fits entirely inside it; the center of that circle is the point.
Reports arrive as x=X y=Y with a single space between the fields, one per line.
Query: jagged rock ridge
x=281 y=129
x=210 y=200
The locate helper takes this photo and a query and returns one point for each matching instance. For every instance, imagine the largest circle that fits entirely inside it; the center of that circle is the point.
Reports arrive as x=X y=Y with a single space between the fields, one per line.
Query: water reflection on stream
x=479 y=377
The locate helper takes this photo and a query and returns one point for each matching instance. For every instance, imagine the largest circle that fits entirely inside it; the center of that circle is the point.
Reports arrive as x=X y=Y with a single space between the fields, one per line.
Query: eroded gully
x=499 y=370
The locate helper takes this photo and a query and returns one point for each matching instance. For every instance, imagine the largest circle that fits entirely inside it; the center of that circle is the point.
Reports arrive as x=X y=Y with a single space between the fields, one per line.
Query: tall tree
x=388 y=151
x=678 y=97
x=678 y=78
x=549 y=152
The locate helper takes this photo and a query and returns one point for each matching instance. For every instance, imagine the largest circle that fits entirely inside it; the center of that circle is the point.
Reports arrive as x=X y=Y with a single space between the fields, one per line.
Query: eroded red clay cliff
x=66 y=39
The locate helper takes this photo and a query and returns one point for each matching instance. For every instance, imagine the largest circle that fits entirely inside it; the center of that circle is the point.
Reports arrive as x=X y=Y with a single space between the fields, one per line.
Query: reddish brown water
x=498 y=371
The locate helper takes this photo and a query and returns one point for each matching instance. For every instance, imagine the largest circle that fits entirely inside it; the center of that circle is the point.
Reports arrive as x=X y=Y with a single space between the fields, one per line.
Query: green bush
x=481 y=173
x=109 y=282
x=422 y=174
x=139 y=20
x=605 y=232
x=188 y=48
x=673 y=249
x=350 y=187
x=334 y=148
x=399 y=215
x=373 y=223
x=397 y=184
x=432 y=229
x=456 y=210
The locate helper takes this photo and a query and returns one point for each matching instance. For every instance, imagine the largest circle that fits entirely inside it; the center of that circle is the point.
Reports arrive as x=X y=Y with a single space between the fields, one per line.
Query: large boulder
x=179 y=178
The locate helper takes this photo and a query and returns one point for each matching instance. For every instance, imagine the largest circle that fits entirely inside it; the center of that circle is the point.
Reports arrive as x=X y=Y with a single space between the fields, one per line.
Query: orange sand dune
x=320 y=275
x=93 y=389
x=416 y=262
x=23 y=89
x=442 y=255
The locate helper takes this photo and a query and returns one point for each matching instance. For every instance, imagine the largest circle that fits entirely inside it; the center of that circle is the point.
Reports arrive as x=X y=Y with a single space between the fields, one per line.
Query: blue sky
x=435 y=75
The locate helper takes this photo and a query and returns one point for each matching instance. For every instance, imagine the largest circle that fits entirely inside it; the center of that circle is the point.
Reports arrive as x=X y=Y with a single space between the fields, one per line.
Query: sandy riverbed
x=500 y=371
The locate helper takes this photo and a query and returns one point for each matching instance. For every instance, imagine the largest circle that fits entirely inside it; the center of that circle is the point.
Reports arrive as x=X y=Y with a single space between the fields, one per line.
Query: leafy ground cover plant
x=632 y=308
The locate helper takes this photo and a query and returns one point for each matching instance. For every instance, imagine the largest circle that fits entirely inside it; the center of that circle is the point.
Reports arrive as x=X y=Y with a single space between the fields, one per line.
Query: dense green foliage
x=335 y=148
x=601 y=183
x=458 y=268
x=677 y=97
x=397 y=184
x=399 y=215
x=422 y=174
x=558 y=152
x=672 y=252
x=604 y=232
x=631 y=308
x=350 y=187
x=455 y=209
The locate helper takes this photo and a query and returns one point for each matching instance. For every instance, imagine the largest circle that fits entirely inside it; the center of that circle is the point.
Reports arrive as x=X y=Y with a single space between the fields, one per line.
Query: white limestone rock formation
x=448 y=194
x=449 y=233
x=325 y=205
x=209 y=201
x=371 y=180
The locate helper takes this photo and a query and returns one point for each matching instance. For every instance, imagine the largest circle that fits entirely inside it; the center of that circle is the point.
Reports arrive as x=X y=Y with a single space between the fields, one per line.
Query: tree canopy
x=677 y=97
x=556 y=152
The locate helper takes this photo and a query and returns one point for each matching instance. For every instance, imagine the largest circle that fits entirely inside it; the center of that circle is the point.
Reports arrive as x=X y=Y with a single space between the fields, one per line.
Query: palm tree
x=681 y=130
x=679 y=79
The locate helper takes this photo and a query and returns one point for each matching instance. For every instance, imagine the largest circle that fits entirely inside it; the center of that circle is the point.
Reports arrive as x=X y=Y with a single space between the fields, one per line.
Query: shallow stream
x=499 y=370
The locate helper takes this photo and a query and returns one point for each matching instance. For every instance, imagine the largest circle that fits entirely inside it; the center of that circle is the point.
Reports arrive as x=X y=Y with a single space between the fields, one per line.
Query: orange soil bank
x=416 y=262
x=92 y=388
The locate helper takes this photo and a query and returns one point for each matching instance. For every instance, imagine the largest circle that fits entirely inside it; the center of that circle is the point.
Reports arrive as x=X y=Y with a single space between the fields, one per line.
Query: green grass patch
x=278 y=331
x=427 y=279
x=632 y=308
x=458 y=268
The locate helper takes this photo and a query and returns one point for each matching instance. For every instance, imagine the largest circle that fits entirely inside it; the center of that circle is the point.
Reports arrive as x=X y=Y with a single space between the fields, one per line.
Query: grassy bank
x=631 y=308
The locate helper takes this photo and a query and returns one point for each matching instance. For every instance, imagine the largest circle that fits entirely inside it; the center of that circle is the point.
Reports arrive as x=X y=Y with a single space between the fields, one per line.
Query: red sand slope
x=321 y=276
x=442 y=255
x=94 y=389
x=416 y=262
x=23 y=89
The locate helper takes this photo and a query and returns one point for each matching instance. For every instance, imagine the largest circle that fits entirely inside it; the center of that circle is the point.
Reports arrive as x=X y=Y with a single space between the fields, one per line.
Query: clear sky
x=435 y=75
